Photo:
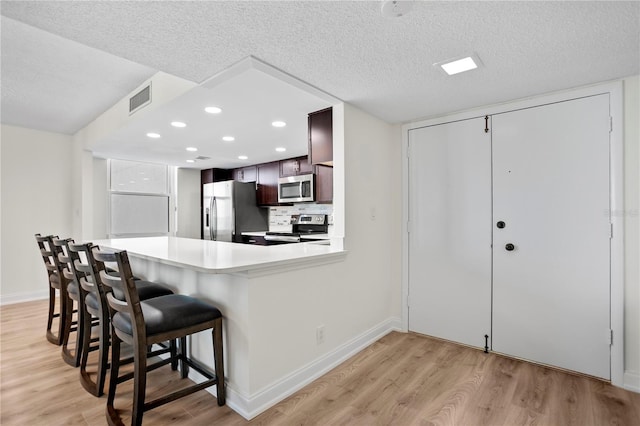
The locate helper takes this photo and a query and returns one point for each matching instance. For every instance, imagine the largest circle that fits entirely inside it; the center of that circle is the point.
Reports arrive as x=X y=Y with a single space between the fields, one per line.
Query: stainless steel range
x=302 y=226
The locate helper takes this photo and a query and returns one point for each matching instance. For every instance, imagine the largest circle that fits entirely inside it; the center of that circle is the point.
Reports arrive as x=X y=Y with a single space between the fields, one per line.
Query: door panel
x=450 y=231
x=551 y=188
x=223 y=210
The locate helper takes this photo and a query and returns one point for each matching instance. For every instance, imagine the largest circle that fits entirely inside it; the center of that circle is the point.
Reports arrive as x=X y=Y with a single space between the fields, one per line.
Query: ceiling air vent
x=140 y=99
x=200 y=157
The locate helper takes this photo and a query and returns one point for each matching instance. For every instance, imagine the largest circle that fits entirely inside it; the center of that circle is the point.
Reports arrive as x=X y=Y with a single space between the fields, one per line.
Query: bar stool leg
x=64 y=318
x=219 y=361
x=184 y=368
x=112 y=415
x=174 y=354
x=52 y=307
x=71 y=359
x=103 y=355
x=139 y=383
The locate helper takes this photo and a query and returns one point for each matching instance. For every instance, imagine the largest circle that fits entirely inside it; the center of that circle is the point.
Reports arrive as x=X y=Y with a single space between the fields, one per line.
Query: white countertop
x=304 y=236
x=220 y=257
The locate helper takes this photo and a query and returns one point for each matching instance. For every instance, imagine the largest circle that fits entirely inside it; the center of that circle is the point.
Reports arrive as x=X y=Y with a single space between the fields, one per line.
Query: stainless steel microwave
x=295 y=189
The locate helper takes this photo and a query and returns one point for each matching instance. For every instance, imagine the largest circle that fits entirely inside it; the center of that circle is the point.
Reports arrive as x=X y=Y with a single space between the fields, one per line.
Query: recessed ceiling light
x=191 y=161
x=281 y=149
x=242 y=157
x=459 y=65
x=228 y=138
x=153 y=135
x=192 y=149
x=395 y=8
x=278 y=124
x=178 y=124
x=213 y=110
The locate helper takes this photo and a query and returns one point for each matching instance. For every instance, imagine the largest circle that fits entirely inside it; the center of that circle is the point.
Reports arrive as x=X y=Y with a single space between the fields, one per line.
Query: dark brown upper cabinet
x=215 y=175
x=324 y=184
x=321 y=137
x=267 y=183
x=295 y=166
x=245 y=174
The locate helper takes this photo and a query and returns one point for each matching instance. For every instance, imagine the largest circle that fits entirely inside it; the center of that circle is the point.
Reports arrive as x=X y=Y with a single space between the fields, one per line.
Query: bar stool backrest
x=65 y=258
x=87 y=271
x=47 y=250
x=124 y=284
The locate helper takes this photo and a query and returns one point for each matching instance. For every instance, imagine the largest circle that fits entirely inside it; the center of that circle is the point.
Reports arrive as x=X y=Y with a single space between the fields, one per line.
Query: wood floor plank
x=402 y=379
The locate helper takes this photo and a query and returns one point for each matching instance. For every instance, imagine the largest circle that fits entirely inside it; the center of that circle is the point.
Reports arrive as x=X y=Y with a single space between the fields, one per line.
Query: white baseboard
x=23 y=297
x=250 y=406
x=632 y=381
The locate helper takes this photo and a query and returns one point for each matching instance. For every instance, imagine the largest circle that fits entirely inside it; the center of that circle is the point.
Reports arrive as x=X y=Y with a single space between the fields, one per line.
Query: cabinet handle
x=509 y=247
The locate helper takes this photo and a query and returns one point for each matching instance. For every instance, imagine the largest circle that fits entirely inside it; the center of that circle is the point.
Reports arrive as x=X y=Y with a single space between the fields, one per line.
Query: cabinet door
x=206 y=176
x=245 y=174
x=324 y=184
x=295 y=166
x=304 y=165
x=321 y=136
x=450 y=231
x=551 y=190
x=289 y=167
x=215 y=175
x=267 y=181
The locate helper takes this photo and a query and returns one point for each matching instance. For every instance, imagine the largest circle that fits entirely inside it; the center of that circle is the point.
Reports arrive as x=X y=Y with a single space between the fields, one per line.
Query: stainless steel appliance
x=302 y=226
x=293 y=189
x=229 y=208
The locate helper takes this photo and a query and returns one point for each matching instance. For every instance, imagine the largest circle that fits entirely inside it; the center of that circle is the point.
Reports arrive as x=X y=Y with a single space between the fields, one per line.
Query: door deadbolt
x=509 y=247
x=501 y=224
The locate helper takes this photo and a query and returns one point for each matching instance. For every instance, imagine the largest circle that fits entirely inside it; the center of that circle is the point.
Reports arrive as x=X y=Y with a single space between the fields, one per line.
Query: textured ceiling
x=382 y=65
x=54 y=84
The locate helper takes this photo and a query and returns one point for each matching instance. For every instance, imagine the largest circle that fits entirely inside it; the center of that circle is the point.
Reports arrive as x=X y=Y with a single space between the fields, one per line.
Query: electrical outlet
x=320 y=334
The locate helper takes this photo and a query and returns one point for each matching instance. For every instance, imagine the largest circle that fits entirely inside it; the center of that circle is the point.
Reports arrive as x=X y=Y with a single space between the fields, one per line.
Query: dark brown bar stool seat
x=87 y=273
x=57 y=286
x=144 y=323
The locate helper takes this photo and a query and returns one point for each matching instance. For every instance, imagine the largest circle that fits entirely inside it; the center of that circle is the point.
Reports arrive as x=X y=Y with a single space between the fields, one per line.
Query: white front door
x=450 y=231
x=551 y=190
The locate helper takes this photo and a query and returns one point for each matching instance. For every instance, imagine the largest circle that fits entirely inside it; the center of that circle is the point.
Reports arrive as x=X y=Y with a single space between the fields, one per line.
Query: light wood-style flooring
x=402 y=379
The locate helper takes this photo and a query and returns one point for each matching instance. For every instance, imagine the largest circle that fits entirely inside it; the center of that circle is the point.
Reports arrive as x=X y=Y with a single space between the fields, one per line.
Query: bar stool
x=144 y=323
x=56 y=281
x=76 y=297
x=87 y=274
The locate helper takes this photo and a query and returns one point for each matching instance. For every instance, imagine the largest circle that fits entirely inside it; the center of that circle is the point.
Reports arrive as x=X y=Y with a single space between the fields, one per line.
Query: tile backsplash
x=280 y=217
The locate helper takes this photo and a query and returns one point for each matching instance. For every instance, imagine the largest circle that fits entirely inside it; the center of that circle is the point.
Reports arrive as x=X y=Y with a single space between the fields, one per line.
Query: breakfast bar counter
x=216 y=257
x=265 y=294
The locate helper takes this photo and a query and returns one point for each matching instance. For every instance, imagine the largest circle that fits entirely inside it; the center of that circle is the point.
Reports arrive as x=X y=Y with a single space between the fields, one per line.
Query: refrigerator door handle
x=213 y=229
x=233 y=223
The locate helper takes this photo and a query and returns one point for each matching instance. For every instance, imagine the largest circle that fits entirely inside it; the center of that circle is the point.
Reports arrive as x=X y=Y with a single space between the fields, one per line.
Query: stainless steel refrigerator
x=229 y=208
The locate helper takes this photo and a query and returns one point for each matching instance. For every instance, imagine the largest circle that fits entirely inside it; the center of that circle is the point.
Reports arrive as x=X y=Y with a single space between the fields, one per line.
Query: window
x=139 y=199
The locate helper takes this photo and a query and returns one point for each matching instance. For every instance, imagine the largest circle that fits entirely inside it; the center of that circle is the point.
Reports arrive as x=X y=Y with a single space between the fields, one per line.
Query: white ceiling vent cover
x=140 y=99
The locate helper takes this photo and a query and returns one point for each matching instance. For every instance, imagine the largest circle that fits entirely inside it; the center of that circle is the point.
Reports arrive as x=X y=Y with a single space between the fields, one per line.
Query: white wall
x=351 y=297
x=632 y=231
x=188 y=203
x=36 y=169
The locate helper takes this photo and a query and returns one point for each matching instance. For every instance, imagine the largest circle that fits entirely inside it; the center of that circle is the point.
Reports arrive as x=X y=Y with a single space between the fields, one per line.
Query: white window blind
x=139 y=199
